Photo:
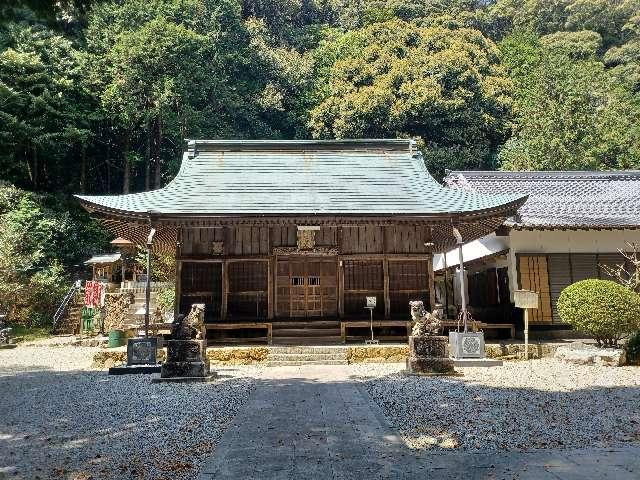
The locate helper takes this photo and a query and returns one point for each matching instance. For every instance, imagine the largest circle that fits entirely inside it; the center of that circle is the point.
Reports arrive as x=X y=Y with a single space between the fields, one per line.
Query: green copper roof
x=305 y=177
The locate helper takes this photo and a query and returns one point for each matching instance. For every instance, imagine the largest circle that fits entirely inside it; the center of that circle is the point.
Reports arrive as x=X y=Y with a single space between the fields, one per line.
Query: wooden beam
x=270 y=288
x=387 y=296
x=178 y=297
x=222 y=258
x=380 y=256
x=340 y=289
x=225 y=289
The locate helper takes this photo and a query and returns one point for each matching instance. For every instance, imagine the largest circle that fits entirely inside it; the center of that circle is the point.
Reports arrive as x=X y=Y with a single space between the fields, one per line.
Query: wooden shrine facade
x=304 y=272
x=302 y=229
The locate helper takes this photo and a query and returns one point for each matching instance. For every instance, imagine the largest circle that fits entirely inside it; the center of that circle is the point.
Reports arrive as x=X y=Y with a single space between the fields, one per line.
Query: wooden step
x=307 y=340
x=280 y=363
x=306 y=332
x=310 y=325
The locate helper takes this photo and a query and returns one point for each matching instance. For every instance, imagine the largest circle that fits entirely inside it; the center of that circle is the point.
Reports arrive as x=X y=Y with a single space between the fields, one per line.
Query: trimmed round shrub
x=603 y=309
x=633 y=349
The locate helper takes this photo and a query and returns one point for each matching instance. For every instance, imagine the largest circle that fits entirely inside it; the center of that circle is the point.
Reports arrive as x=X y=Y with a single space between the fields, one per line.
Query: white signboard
x=525 y=299
x=371 y=302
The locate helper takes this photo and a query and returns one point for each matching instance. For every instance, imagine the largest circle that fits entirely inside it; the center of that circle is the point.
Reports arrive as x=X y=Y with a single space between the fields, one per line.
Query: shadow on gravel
x=88 y=425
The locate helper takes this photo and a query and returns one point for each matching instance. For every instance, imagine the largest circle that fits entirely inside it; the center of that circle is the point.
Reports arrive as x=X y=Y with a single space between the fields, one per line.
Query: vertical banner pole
x=463 y=287
x=148 y=284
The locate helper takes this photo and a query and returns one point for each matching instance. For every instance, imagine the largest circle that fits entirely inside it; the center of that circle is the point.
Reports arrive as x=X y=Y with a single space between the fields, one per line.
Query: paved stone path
x=317 y=423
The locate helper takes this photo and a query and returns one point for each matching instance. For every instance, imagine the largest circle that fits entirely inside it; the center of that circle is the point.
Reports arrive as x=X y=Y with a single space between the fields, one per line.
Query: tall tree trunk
x=108 y=175
x=83 y=169
x=126 y=177
x=34 y=178
x=158 y=162
x=147 y=155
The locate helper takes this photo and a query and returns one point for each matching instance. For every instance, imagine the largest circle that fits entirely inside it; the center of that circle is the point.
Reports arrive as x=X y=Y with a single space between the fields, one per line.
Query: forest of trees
x=97 y=96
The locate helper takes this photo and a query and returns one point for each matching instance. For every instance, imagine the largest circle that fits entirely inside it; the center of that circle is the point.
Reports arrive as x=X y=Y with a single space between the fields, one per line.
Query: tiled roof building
x=562 y=199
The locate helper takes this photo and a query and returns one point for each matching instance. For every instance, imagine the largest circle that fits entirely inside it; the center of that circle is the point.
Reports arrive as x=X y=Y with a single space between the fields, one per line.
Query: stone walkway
x=317 y=423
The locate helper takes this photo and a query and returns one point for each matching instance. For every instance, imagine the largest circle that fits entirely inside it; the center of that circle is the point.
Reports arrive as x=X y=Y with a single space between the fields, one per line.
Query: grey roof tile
x=562 y=199
x=365 y=177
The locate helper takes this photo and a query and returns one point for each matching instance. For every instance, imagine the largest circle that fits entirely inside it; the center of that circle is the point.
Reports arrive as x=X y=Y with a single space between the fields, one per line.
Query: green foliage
x=166 y=300
x=571 y=112
x=396 y=79
x=604 y=309
x=42 y=239
x=163 y=264
x=42 y=119
x=632 y=348
x=24 y=333
x=99 y=95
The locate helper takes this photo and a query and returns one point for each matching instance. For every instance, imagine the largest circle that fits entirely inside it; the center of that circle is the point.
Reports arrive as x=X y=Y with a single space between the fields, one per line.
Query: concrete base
x=134 y=369
x=209 y=378
x=477 y=362
x=7 y=346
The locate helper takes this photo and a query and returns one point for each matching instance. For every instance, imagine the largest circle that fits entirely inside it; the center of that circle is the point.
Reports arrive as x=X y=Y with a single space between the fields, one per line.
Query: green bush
x=42 y=240
x=633 y=349
x=603 y=309
x=166 y=300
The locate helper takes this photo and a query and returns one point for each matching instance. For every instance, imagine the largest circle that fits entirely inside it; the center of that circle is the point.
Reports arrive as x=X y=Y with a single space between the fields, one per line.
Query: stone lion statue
x=424 y=323
x=195 y=319
x=188 y=327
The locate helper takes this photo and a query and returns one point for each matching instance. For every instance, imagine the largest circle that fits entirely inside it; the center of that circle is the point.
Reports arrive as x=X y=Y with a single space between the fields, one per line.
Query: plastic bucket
x=116 y=338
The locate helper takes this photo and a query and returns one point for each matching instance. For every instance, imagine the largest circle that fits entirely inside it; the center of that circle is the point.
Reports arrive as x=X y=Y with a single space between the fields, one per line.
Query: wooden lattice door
x=307 y=287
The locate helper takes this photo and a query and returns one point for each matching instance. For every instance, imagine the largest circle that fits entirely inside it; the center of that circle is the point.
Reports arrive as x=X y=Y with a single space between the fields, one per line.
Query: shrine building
x=287 y=238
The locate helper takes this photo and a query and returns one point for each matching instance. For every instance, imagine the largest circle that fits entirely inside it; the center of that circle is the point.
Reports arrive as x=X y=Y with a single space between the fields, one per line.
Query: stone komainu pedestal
x=429 y=355
x=185 y=358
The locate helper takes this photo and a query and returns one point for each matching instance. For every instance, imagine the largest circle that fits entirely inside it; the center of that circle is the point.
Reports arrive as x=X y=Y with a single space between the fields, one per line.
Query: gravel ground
x=519 y=406
x=61 y=420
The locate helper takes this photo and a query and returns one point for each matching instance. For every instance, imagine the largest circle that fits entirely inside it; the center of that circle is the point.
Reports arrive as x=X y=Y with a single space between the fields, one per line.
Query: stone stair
x=70 y=323
x=318 y=332
x=136 y=309
x=306 y=355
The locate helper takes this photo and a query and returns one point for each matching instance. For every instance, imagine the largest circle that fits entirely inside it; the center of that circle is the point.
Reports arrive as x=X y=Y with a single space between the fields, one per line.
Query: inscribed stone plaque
x=142 y=351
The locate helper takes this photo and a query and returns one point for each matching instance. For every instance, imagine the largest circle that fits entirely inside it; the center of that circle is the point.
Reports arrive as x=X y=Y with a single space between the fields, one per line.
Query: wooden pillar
x=340 y=275
x=225 y=289
x=387 y=296
x=178 y=300
x=270 y=289
x=340 y=289
x=432 y=284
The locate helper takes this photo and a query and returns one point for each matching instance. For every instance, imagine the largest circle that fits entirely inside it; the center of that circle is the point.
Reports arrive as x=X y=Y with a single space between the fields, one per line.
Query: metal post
x=371 y=324
x=446 y=286
x=463 y=288
x=526 y=334
x=122 y=257
x=148 y=284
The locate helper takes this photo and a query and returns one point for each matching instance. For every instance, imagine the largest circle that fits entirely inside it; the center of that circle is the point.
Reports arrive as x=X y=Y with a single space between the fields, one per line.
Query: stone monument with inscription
x=428 y=351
